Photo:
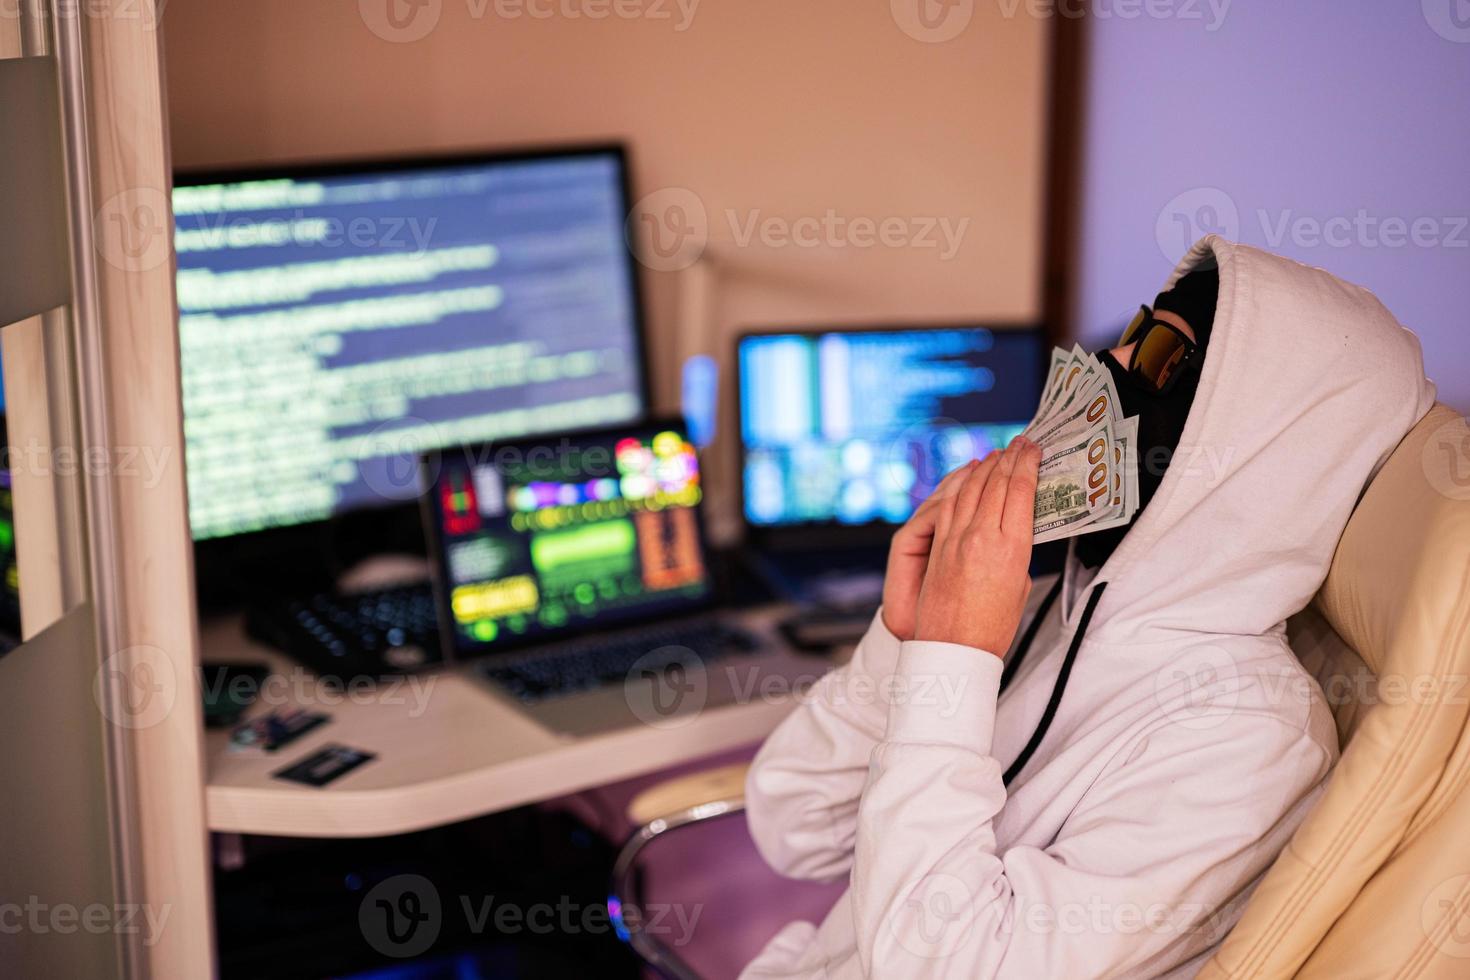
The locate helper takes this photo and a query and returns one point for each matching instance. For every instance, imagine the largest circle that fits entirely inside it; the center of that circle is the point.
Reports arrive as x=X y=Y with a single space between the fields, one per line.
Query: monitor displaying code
x=332 y=326
x=858 y=427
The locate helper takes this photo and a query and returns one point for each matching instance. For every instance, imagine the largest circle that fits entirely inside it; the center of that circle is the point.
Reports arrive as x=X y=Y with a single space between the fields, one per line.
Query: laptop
x=843 y=432
x=572 y=569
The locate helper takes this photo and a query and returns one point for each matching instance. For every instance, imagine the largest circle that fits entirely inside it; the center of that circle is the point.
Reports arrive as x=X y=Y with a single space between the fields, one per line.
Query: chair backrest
x=1376 y=881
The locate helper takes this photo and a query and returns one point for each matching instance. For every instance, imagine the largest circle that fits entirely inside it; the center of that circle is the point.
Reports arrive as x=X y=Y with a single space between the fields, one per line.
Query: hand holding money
x=975 y=585
x=1088 y=480
x=908 y=555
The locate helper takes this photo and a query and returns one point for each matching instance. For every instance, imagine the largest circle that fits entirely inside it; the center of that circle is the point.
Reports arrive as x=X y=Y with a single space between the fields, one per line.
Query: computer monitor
x=549 y=536
x=338 y=319
x=843 y=428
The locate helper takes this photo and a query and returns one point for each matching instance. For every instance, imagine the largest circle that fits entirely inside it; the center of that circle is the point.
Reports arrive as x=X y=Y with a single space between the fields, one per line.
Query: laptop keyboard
x=345 y=636
x=585 y=664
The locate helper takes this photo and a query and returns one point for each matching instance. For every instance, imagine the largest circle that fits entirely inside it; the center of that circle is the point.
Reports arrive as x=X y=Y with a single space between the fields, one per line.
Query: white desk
x=448 y=749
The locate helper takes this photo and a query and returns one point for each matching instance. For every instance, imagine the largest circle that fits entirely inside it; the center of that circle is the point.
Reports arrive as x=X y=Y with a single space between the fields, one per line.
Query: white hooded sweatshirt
x=1189 y=743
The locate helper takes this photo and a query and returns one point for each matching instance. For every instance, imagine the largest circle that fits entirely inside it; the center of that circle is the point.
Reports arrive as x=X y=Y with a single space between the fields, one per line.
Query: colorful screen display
x=9 y=569
x=540 y=536
x=858 y=427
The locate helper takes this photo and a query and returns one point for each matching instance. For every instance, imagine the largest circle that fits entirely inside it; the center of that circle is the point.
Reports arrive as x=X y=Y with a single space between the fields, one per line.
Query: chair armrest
x=657 y=811
x=686 y=792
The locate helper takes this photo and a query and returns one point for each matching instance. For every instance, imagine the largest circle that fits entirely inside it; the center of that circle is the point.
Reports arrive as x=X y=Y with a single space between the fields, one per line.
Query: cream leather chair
x=1376 y=881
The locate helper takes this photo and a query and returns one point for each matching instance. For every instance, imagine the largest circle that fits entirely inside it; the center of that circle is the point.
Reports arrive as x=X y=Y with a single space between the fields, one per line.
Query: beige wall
x=763 y=109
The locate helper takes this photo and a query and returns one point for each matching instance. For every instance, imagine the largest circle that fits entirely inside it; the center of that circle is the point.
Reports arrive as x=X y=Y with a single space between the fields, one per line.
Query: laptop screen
x=848 y=427
x=554 y=535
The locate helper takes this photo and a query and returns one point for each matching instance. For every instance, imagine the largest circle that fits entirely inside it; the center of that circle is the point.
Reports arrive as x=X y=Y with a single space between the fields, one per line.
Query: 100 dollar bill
x=1094 y=400
x=1125 y=477
x=1075 y=481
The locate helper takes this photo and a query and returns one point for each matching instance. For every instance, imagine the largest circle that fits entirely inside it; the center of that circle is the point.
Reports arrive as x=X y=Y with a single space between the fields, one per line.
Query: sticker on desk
x=324 y=766
x=276 y=730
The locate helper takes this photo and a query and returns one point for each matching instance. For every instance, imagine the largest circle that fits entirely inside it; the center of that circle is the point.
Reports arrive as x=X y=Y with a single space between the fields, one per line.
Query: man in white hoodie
x=1104 y=804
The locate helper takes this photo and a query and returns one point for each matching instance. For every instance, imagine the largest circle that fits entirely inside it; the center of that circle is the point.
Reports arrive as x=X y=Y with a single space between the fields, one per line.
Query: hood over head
x=1308 y=383
x=1161 y=414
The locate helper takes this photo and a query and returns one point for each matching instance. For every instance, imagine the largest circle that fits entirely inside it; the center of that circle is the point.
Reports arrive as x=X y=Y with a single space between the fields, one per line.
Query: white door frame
x=128 y=403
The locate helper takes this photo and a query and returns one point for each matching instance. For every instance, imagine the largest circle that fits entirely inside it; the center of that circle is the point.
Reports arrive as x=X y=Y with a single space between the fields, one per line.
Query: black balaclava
x=1160 y=417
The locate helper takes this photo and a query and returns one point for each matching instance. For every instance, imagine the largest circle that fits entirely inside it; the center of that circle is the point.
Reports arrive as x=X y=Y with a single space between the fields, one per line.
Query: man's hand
x=908 y=556
x=975 y=584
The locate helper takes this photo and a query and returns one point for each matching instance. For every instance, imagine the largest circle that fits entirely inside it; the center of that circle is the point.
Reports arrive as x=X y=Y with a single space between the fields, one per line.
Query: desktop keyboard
x=584 y=664
x=345 y=636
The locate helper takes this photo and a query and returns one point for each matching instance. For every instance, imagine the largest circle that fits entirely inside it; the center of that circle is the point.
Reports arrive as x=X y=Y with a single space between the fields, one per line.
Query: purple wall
x=1264 y=120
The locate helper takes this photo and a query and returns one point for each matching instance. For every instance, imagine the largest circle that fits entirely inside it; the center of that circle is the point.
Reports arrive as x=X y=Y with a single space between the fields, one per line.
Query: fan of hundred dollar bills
x=1088 y=479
